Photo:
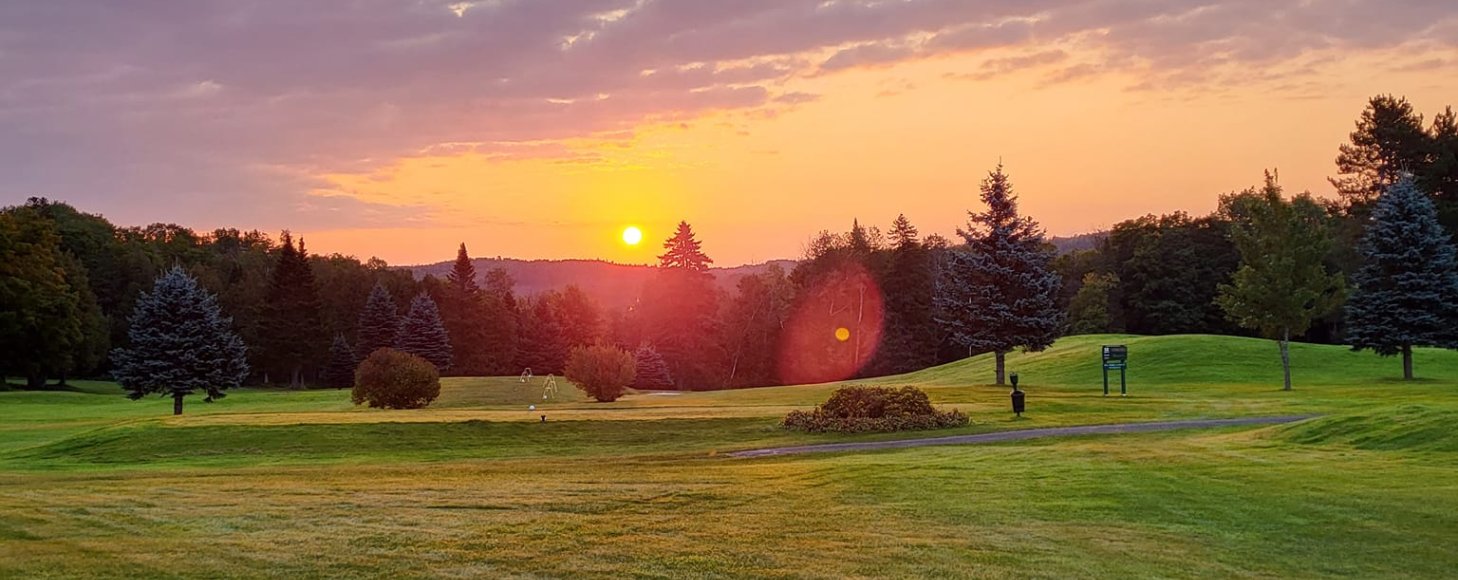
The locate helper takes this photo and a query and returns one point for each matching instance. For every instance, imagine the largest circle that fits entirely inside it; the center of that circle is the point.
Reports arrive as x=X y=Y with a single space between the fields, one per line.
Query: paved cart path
x=1021 y=435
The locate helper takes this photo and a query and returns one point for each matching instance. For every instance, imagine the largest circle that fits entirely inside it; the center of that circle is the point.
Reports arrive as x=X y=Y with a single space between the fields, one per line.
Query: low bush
x=874 y=409
x=391 y=379
x=601 y=371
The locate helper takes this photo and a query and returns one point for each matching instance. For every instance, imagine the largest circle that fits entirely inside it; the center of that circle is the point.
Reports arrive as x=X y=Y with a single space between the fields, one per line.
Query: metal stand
x=1116 y=357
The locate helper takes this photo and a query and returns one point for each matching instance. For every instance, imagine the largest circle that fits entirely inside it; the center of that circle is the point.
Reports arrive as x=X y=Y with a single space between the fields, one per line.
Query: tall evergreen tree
x=180 y=343
x=379 y=322
x=1283 y=283
x=684 y=252
x=543 y=346
x=578 y=315
x=1001 y=293
x=467 y=319
x=1406 y=291
x=909 y=339
x=462 y=277
x=502 y=340
x=1389 y=141
x=339 y=372
x=423 y=334
x=1441 y=177
x=679 y=307
x=652 y=373
x=292 y=332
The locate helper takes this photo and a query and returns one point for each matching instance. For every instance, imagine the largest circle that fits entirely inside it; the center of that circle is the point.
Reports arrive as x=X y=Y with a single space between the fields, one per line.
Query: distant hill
x=614 y=286
x=1068 y=244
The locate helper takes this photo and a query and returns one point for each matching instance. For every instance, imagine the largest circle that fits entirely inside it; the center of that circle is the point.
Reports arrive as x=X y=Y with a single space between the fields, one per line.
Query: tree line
x=1371 y=269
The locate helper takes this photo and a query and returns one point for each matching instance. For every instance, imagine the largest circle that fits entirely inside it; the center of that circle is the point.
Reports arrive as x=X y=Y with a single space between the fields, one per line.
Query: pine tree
x=339 y=373
x=909 y=340
x=422 y=333
x=543 y=345
x=1406 y=291
x=467 y=319
x=502 y=341
x=1388 y=142
x=680 y=307
x=462 y=277
x=1441 y=177
x=292 y=329
x=684 y=252
x=652 y=371
x=379 y=322
x=1001 y=293
x=1282 y=284
x=180 y=343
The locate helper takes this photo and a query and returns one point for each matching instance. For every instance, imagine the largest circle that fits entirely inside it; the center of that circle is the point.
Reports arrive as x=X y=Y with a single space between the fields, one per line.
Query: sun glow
x=632 y=235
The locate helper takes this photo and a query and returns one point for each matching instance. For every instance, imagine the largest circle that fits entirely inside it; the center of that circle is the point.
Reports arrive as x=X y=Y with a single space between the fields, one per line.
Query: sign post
x=1116 y=356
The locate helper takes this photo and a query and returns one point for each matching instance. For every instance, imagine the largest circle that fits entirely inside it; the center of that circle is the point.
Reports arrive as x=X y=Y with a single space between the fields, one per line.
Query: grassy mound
x=1194 y=359
x=1402 y=428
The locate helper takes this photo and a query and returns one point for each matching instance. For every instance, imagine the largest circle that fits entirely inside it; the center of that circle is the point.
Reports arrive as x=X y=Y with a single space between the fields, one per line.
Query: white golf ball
x=531 y=407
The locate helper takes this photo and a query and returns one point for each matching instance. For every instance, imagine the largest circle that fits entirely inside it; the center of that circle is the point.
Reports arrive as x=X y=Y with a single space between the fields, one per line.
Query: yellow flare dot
x=842 y=334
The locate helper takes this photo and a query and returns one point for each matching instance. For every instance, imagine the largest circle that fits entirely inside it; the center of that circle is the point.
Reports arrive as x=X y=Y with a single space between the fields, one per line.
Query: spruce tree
x=180 y=343
x=292 y=330
x=379 y=322
x=1405 y=293
x=909 y=340
x=422 y=333
x=339 y=372
x=467 y=318
x=652 y=371
x=683 y=251
x=680 y=308
x=1001 y=292
x=502 y=319
x=543 y=344
x=1283 y=283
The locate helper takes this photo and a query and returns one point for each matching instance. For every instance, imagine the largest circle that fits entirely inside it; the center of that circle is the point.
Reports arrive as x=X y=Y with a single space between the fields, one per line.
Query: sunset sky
x=539 y=129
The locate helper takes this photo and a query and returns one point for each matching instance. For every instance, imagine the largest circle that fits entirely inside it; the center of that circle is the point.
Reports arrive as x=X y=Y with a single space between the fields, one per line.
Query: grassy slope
x=305 y=484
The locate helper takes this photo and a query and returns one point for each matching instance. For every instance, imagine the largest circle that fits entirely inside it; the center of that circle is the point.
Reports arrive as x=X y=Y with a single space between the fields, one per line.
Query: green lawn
x=299 y=484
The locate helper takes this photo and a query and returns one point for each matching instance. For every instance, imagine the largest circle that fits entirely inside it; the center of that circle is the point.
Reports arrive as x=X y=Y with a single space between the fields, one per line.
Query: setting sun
x=632 y=235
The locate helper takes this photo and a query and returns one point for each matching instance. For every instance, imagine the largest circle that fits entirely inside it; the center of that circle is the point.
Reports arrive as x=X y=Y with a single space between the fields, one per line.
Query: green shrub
x=874 y=409
x=601 y=371
x=392 y=379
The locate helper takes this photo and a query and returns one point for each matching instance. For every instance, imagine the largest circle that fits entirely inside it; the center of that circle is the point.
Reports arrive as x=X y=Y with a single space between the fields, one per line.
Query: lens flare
x=834 y=328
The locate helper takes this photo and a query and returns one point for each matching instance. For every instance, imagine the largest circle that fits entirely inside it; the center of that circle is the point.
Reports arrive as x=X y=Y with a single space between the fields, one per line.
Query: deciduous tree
x=1283 y=283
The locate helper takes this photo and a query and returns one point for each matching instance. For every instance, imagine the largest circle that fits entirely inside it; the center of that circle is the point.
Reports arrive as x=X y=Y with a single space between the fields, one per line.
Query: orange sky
x=539 y=130
x=902 y=139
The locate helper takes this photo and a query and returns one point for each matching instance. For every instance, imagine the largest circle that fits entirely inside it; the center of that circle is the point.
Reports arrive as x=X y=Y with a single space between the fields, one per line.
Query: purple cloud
x=218 y=105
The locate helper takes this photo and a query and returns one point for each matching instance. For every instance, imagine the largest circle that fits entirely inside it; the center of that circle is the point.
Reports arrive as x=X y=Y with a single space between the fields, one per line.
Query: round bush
x=602 y=371
x=391 y=379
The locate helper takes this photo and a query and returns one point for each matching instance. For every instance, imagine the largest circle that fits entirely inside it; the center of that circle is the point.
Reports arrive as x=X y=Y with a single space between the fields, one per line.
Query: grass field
x=302 y=484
